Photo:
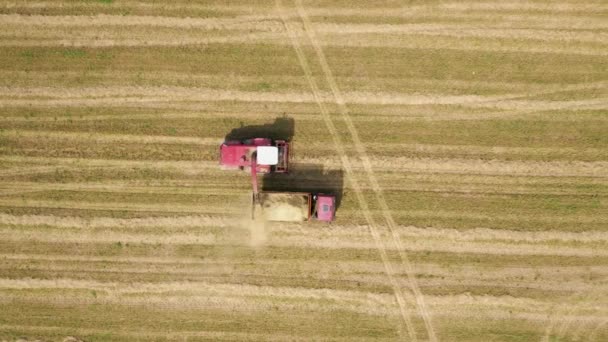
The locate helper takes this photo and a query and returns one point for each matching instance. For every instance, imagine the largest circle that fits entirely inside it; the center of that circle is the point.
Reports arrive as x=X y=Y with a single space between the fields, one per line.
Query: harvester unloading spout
x=254 y=177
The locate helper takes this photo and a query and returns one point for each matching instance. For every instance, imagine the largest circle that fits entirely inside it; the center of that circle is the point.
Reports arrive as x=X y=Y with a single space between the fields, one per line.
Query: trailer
x=293 y=206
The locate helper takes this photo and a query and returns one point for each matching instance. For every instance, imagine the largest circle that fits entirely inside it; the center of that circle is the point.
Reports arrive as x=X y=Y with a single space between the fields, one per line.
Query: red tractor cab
x=271 y=156
x=324 y=207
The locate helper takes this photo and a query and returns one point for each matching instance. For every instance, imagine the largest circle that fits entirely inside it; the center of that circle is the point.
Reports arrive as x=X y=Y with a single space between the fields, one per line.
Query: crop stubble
x=473 y=129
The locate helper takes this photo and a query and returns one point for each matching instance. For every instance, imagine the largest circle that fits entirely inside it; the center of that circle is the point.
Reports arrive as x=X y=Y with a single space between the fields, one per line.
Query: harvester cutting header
x=264 y=155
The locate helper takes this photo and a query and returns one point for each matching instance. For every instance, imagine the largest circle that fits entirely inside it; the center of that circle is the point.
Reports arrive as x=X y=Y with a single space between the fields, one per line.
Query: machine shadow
x=307 y=178
x=282 y=128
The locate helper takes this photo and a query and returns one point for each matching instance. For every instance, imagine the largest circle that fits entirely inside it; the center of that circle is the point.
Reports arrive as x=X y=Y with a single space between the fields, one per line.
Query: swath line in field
x=246 y=38
x=104 y=20
x=113 y=138
x=368 y=169
x=151 y=334
x=399 y=295
x=170 y=96
x=338 y=231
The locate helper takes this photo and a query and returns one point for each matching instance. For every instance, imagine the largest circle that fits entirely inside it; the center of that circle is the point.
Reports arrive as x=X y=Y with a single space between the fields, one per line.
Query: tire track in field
x=421 y=305
x=399 y=295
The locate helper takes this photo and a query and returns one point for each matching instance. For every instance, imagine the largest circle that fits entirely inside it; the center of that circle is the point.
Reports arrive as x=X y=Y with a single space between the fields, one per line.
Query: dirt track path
x=369 y=171
x=400 y=296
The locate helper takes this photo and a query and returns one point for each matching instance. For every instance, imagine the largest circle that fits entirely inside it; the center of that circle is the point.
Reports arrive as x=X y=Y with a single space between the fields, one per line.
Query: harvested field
x=468 y=142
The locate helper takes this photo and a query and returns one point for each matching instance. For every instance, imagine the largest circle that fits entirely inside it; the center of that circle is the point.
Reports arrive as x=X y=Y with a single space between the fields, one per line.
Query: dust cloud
x=257 y=226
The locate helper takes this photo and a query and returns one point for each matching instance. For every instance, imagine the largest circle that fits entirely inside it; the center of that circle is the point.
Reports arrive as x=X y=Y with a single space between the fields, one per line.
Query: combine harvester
x=272 y=156
x=262 y=155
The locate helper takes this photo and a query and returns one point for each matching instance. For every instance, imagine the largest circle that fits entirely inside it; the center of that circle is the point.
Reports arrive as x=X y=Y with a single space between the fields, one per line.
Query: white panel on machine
x=267 y=155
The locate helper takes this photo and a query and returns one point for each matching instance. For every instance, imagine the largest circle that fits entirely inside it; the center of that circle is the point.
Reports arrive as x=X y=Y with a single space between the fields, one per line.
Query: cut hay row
x=270 y=21
x=371 y=41
x=146 y=334
x=377 y=9
x=538 y=283
x=213 y=295
x=362 y=35
x=503 y=276
x=413 y=181
x=172 y=208
x=509 y=247
x=337 y=232
x=183 y=166
x=67 y=78
x=104 y=96
x=54 y=28
x=402 y=164
x=555 y=281
x=379 y=113
x=189 y=148
x=113 y=138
